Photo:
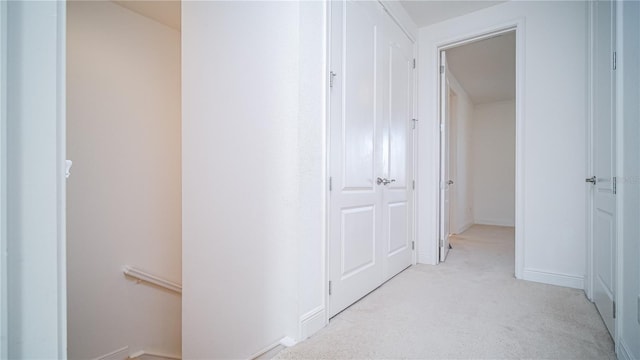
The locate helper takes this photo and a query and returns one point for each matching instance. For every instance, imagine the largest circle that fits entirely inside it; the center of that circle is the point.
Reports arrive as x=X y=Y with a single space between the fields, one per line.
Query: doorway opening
x=124 y=215
x=478 y=152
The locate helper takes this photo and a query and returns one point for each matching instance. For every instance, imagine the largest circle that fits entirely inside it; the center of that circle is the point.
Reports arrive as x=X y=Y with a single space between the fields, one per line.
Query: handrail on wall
x=151 y=279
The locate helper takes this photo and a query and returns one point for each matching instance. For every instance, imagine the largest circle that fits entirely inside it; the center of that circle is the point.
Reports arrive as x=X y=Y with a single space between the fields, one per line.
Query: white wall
x=552 y=48
x=311 y=157
x=494 y=163
x=124 y=194
x=36 y=301
x=4 y=352
x=240 y=176
x=254 y=174
x=461 y=158
x=628 y=77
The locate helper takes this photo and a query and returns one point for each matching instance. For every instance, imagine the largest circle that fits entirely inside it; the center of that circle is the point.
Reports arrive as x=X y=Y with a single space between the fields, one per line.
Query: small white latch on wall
x=67 y=171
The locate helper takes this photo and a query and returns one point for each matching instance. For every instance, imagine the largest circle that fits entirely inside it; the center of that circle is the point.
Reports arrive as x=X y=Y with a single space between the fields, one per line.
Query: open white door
x=445 y=180
x=604 y=159
x=371 y=200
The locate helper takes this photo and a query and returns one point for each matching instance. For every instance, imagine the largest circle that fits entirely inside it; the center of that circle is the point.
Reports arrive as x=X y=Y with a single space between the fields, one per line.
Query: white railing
x=151 y=279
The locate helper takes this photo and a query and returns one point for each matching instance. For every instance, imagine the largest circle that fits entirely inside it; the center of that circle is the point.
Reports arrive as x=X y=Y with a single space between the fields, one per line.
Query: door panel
x=604 y=201
x=358 y=240
x=398 y=156
x=370 y=138
x=355 y=232
x=399 y=113
x=444 y=158
x=359 y=101
x=398 y=235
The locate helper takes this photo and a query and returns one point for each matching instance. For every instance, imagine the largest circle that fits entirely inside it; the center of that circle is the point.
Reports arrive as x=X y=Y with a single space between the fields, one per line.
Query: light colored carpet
x=471 y=306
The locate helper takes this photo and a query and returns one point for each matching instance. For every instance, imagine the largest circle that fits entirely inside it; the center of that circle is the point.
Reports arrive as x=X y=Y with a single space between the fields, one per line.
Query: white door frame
x=519 y=27
x=3 y=181
x=34 y=223
x=327 y=153
x=588 y=281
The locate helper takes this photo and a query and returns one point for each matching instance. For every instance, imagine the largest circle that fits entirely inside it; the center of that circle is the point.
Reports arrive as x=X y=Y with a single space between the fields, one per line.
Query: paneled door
x=397 y=196
x=445 y=177
x=603 y=155
x=371 y=173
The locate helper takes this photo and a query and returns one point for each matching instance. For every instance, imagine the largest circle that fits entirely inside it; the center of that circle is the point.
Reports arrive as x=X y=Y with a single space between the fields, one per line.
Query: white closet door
x=370 y=215
x=603 y=192
x=397 y=200
x=356 y=156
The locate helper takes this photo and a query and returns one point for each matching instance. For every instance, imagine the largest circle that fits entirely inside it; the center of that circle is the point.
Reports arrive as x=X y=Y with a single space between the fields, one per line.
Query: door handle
x=591 y=180
x=450 y=182
x=384 y=181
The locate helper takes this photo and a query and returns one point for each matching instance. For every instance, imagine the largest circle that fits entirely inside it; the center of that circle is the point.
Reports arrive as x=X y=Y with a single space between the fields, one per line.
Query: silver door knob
x=384 y=181
x=591 y=180
x=450 y=182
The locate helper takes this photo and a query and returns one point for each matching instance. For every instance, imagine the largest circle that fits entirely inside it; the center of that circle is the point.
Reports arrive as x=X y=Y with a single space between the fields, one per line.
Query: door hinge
x=415 y=121
x=330 y=183
x=332 y=75
x=441 y=127
x=615 y=185
x=441 y=243
x=413 y=184
x=414 y=63
x=413 y=245
x=614 y=309
x=329 y=287
x=615 y=60
x=441 y=69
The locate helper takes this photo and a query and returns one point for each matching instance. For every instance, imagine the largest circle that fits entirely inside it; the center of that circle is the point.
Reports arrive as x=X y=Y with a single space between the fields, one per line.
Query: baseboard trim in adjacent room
x=622 y=351
x=120 y=354
x=508 y=223
x=576 y=282
x=150 y=355
x=312 y=322
x=464 y=228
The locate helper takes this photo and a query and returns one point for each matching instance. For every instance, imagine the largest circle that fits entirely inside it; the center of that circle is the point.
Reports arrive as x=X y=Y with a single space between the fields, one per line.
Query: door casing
x=518 y=26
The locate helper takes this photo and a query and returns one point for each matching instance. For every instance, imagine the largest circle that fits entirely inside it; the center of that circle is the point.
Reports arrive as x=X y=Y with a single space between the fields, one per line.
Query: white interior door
x=603 y=152
x=397 y=200
x=370 y=152
x=445 y=179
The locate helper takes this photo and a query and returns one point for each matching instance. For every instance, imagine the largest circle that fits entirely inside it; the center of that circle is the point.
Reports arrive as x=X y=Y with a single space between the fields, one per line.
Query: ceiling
x=163 y=11
x=422 y=12
x=427 y=12
x=486 y=69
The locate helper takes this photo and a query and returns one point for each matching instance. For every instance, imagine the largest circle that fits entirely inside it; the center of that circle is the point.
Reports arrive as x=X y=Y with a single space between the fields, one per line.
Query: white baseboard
x=270 y=351
x=312 y=322
x=150 y=355
x=576 y=282
x=622 y=351
x=495 y=222
x=120 y=354
x=270 y=354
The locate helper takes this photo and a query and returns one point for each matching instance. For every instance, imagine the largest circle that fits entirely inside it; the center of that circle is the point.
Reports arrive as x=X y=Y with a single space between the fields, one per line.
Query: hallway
x=471 y=306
